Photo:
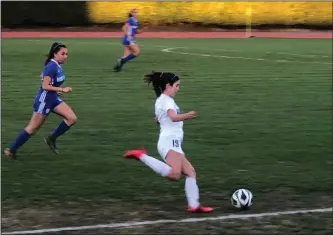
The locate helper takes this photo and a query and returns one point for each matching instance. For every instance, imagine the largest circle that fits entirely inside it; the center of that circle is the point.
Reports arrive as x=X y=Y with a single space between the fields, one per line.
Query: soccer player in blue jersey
x=131 y=49
x=47 y=100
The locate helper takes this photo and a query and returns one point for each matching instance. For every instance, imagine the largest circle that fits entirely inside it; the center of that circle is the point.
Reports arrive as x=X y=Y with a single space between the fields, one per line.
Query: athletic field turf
x=264 y=123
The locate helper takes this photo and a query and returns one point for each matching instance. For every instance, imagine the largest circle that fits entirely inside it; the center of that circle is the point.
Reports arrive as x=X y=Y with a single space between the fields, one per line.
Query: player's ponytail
x=159 y=80
x=49 y=57
x=56 y=46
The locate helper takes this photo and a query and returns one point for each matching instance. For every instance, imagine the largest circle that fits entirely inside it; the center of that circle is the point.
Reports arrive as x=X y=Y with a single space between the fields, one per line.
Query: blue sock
x=128 y=58
x=19 y=141
x=61 y=129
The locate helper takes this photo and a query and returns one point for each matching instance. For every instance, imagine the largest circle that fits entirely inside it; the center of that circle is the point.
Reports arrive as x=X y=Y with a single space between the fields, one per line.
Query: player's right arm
x=48 y=74
x=169 y=107
x=126 y=27
x=47 y=87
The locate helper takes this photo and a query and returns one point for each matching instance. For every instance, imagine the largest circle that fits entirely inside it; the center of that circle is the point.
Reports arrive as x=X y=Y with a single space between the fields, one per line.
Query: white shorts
x=167 y=143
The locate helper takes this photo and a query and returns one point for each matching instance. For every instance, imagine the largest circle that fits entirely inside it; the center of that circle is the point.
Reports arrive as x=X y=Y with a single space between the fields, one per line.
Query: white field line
x=299 y=55
x=153 y=222
x=282 y=53
x=171 y=50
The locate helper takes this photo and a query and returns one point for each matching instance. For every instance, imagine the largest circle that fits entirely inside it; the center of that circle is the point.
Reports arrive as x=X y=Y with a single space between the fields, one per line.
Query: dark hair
x=56 y=46
x=159 y=80
x=130 y=14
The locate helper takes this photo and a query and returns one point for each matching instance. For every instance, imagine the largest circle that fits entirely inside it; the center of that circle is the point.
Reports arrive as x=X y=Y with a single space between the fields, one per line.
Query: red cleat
x=200 y=209
x=135 y=154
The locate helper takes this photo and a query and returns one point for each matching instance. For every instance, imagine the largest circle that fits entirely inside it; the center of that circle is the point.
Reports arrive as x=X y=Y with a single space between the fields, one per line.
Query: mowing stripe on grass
x=215 y=49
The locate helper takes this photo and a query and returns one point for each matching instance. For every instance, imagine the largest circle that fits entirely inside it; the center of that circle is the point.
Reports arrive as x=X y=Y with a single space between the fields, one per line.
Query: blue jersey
x=46 y=101
x=132 y=27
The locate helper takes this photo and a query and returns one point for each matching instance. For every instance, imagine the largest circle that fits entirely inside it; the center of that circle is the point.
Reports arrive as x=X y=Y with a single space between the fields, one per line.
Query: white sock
x=192 y=192
x=156 y=165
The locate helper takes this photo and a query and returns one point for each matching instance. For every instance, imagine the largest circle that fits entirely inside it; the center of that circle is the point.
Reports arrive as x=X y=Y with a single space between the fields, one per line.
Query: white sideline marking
x=171 y=50
x=151 y=222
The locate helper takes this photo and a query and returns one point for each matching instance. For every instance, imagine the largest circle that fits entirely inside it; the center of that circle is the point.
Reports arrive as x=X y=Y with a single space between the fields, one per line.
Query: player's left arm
x=141 y=29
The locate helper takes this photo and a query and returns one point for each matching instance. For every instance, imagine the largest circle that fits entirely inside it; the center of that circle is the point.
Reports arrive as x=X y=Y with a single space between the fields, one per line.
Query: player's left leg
x=70 y=119
x=119 y=64
x=124 y=41
x=135 y=49
x=192 y=189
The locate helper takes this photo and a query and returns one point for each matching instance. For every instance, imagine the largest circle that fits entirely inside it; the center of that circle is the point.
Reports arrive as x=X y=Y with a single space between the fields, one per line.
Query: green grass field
x=264 y=123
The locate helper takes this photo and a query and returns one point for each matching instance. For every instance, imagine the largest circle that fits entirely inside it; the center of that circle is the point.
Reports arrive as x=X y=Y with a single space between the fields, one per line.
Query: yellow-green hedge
x=222 y=13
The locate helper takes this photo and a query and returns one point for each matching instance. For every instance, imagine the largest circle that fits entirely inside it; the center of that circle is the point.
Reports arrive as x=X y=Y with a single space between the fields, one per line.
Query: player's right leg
x=170 y=154
x=35 y=123
x=172 y=171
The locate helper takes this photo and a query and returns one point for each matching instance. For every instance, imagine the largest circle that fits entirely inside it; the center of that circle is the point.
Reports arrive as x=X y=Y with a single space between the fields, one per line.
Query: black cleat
x=118 y=66
x=52 y=144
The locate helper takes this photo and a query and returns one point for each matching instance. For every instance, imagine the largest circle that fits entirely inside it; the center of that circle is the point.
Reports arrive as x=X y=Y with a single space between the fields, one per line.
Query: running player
x=131 y=49
x=168 y=115
x=47 y=100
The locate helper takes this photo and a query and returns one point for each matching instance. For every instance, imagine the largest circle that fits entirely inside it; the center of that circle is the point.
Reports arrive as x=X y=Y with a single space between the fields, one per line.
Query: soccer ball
x=242 y=199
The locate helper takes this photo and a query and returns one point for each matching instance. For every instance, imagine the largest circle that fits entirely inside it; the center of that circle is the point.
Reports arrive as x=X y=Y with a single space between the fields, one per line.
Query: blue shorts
x=44 y=108
x=127 y=42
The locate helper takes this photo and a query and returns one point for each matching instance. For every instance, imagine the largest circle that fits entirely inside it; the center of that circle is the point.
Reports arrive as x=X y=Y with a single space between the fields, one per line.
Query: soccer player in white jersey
x=168 y=115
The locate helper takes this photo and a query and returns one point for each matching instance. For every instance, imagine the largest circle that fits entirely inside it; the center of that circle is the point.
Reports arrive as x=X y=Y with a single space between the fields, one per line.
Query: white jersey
x=167 y=126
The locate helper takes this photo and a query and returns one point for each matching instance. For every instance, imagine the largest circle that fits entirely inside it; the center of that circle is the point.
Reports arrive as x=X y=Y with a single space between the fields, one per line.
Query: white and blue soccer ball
x=242 y=199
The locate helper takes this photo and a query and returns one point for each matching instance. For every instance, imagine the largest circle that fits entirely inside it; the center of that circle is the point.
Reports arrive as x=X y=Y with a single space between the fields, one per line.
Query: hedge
x=218 y=13
x=23 y=14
